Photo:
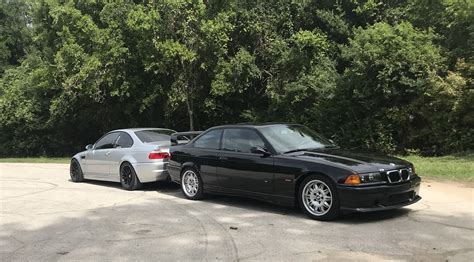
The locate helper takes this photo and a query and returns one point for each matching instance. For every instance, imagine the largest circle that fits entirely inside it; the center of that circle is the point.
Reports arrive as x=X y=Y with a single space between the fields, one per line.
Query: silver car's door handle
x=107 y=153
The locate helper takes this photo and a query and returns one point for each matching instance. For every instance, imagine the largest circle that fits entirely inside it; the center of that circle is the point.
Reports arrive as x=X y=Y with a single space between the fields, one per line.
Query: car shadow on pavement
x=173 y=189
x=154 y=186
x=361 y=218
x=102 y=183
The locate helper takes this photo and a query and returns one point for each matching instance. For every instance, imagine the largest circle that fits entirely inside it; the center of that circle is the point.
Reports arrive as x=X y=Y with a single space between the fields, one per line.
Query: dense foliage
x=392 y=76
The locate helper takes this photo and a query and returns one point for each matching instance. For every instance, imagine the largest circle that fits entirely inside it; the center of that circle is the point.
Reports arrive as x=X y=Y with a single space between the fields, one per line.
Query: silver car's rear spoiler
x=183 y=137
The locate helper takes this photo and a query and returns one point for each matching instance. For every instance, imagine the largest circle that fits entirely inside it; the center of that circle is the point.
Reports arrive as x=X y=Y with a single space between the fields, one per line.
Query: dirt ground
x=45 y=216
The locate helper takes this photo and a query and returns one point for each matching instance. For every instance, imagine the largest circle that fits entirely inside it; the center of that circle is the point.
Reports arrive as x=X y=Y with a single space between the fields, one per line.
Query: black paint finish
x=276 y=177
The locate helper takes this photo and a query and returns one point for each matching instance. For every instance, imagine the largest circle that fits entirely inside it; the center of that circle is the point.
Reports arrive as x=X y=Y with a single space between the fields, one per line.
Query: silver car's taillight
x=158 y=155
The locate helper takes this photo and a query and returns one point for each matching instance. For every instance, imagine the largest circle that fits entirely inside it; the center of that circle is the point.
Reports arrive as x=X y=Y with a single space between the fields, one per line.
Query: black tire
x=75 y=171
x=190 y=176
x=128 y=177
x=317 y=205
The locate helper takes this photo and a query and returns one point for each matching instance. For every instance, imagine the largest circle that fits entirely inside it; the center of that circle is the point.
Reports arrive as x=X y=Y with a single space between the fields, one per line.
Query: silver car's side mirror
x=89 y=146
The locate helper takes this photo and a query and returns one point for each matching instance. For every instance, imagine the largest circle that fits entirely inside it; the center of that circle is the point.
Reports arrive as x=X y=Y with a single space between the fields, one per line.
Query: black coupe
x=290 y=164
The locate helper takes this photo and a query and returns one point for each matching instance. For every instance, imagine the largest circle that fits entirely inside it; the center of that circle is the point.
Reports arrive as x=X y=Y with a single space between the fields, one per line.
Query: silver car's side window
x=124 y=140
x=106 y=142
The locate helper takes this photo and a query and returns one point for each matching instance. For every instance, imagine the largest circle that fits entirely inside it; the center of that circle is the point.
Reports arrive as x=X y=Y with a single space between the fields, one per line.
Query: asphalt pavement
x=46 y=217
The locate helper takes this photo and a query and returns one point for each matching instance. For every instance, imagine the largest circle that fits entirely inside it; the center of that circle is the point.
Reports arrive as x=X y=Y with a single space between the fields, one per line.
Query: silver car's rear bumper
x=151 y=172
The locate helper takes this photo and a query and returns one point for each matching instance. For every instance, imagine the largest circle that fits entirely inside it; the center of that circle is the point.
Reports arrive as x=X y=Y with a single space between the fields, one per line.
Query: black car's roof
x=253 y=124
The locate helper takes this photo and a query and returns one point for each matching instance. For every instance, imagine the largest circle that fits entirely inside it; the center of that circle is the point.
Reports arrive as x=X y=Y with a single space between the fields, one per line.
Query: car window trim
x=241 y=153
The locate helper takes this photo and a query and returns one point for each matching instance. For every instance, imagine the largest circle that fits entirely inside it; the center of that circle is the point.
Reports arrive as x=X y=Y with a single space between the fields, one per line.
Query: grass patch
x=452 y=167
x=50 y=160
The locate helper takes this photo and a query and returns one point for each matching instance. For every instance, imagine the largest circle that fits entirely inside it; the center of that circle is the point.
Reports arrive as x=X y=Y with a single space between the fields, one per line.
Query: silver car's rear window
x=153 y=135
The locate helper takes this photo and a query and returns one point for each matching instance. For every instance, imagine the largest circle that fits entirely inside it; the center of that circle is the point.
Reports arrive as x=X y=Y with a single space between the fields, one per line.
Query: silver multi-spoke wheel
x=190 y=183
x=317 y=197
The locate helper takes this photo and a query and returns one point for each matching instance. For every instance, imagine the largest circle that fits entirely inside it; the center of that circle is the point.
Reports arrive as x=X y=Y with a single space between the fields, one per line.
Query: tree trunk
x=190 y=114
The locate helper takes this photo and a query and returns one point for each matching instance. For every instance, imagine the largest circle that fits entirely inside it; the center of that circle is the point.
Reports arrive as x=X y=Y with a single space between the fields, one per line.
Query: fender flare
x=189 y=164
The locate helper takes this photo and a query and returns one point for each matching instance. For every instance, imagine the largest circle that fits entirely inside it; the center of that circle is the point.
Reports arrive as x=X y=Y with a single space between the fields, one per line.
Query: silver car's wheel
x=128 y=177
x=75 y=171
x=191 y=184
x=317 y=197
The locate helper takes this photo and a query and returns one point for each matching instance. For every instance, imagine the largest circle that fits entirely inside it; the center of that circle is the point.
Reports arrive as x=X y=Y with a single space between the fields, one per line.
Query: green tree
x=304 y=77
x=382 y=75
x=15 y=31
x=178 y=46
x=389 y=68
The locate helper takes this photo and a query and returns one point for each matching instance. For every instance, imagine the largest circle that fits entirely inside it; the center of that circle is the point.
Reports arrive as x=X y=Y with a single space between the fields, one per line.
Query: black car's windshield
x=292 y=138
x=154 y=135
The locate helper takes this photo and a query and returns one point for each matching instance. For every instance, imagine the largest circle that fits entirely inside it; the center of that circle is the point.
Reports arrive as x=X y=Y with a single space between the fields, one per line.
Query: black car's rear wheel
x=318 y=198
x=128 y=177
x=191 y=184
x=75 y=171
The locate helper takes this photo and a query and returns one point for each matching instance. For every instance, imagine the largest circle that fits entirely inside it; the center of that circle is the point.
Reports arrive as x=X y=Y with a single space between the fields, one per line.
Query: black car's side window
x=108 y=141
x=210 y=140
x=124 y=140
x=241 y=140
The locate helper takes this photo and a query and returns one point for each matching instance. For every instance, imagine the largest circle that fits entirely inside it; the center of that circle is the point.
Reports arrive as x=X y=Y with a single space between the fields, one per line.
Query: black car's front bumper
x=382 y=197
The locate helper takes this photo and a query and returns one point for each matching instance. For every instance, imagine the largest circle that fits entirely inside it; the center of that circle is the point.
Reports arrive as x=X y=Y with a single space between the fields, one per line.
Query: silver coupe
x=130 y=156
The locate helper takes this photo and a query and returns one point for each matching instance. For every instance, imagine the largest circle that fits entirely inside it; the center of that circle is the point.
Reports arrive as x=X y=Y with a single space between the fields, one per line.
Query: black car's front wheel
x=191 y=184
x=128 y=177
x=318 y=198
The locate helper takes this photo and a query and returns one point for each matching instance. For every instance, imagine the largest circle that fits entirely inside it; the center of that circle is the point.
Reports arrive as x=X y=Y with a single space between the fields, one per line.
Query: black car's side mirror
x=259 y=150
x=89 y=146
x=175 y=141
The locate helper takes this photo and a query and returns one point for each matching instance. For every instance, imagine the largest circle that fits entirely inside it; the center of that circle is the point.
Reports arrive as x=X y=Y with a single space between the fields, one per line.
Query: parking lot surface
x=46 y=217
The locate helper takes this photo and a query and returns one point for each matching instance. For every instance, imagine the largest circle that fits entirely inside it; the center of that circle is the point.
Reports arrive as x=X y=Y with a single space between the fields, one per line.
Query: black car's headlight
x=364 y=178
x=411 y=171
x=371 y=177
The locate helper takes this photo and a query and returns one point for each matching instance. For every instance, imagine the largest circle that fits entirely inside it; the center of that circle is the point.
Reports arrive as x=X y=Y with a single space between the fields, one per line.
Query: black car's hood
x=359 y=162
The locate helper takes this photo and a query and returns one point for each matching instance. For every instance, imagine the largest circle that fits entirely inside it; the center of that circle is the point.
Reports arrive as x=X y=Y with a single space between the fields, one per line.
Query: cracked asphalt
x=46 y=217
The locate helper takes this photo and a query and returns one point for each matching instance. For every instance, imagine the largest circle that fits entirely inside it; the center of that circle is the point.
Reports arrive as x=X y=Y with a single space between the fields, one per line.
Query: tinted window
x=241 y=140
x=209 y=140
x=286 y=138
x=108 y=141
x=153 y=135
x=124 y=140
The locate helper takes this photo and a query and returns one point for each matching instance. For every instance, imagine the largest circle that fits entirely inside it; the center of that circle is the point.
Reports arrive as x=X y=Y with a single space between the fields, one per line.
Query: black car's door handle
x=223 y=158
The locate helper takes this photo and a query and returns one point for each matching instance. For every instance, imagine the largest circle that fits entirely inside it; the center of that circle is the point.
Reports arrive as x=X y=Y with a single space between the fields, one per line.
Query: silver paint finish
x=104 y=164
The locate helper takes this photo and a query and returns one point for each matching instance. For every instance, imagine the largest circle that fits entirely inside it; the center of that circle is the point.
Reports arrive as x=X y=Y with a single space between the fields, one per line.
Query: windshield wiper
x=296 y=150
